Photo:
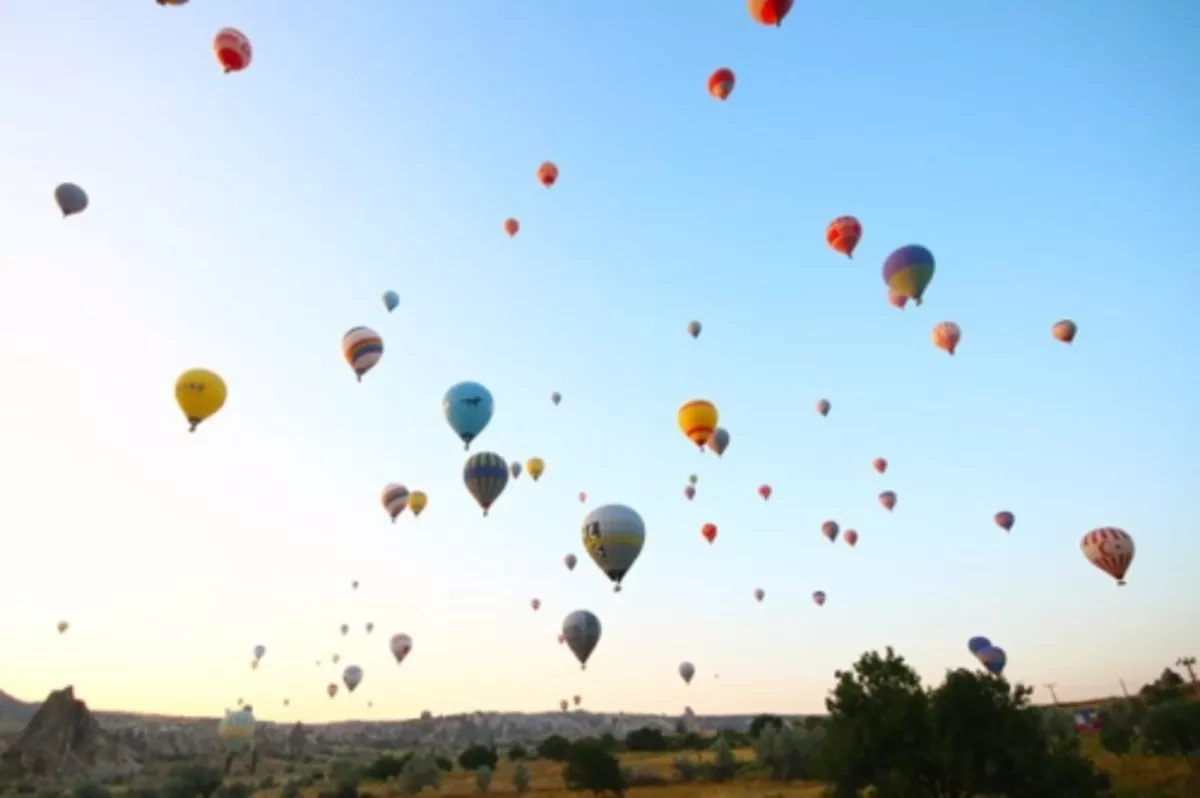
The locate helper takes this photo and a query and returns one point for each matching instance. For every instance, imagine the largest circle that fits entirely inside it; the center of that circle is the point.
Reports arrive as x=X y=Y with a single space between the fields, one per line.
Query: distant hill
x=15 y=710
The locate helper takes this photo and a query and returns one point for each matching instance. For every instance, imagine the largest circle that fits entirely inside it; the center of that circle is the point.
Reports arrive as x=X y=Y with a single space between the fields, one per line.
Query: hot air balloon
x=200 y=393
x=172 y=2
x=690 y=492
x=352 y=677
x=239 y=702
x=335 y=659
x=977 y=644
x=370 y=627
x=577 y=699
x=511 y=226
x=354 y=585
x=1064 y=331
x=888 y=500
x=1005 y=520
x=62 y=626
x=417 y=501
x=582 y=630
x=709 y=531
x=515 y=469
x=536 y=466
x=697 y=420
x=908 y=270
x=486 y=475
x=287 y=702
x=345 y=629
x=401 y=645
x=830 y=530
x=536 y=604
x=851 y=537
x=819 y=598
x=1110 y=549
x=233 y=50
x=823 y=406
x=331 y=689
x=391 y=300
x=994 y=659
x=879 y=464
x=769 y=12
x=395 y=498
x=362 y=347
x=260 y=651
x=842 y=235
x=547 y=174
x=563 y=705
x=570 y=560
x=556 y=397
x=718 y=441
x=694 y=328
x=613 y=536
x=468 y=408
x=946 y=336
x=70 y=198
x=254 y=664
x=582 y=496
x=764 y=490
x=693 y=479
x=236 y=730
x=897 y=301
x=720 y=83
x=686 y=671
x=759 y=594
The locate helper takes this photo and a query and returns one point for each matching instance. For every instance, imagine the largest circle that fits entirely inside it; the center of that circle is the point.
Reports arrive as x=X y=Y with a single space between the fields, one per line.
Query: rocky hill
x=63 y=739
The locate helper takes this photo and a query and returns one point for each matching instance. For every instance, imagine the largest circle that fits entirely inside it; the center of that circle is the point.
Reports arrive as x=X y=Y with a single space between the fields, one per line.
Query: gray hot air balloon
x=71 y=199
x=687 y=670
x=352 y=676
x=582 y=632
x=718 y=441
x=613 y=536
x=514 y=468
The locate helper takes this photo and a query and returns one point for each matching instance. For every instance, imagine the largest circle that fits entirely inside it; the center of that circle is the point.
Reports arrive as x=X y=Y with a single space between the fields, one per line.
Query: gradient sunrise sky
x=1046 y=153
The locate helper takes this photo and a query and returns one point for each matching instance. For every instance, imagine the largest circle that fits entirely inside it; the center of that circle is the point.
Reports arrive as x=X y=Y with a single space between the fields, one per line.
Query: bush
x=50 y=792
x=420 y=771
x=25 y=788
x=787 y=752
x=555 y=747
x=761 y=722
x=725 y=765
x=687 y=769
x=192 y=780
x=590 y=767
x=646 y=739
x=521 y=778
x=443 y=764
x=478 y=756
x=1172 y=728
x=643 y=777
x=385 y=767
x=235 y=790
x=142 y=792
x=291 y=789
x=343 y=771
x=265 y=783
x=483 y=778
x=517 y=752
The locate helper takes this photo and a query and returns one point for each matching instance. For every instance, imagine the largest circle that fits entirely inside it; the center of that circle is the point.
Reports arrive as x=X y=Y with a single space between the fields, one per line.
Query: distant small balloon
x=511 y=226
x=570 y=561
x=582 y=496
x=830 y=530
x=823 y=406
x=851 y=537
x=693 y=479
x=689 y=492
x=71 y=199
x=759 y=594
x=694 y=328
x=764 y=490
x=879 y=464
x=1064 y=331
x=888 y=500
x=721 y=82
x=709 y=532
x=819 y=598
x=62 y=626
x=515 y=469
x=718 y=441
x=1005 y=520
x=686 y=671
x=547 y=174
x=946 y=336
x=536 y=604
x=556 y=397
x=391 y=300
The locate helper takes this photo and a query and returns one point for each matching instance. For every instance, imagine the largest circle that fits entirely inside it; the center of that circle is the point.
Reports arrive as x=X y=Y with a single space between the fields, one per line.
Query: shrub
x=763 y=721
x=478 y=756
x=725 y=765
x=646 y=739
x=643 y=777
x=786 y=751
x=555 y=747
x=687 y=769
x=445 y=765
x=385 y=767
x=235 y=790
x=483 y=778
x=517 y=752
x=343 y=771
x=192 y=780
x=50 y=792
x=291 y=789
x=590 y=767
x=420 y=771
x=25 y=788
x=521 y=778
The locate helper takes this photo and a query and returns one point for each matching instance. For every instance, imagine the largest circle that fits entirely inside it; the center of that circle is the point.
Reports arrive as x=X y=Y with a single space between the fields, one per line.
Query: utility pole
x=1053 y=695
x=1190 y=664
x=1124 y=689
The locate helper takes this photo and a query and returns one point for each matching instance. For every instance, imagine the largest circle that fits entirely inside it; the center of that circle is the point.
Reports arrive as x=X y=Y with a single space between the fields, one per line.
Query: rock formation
x=297 y=741
x=62 y=739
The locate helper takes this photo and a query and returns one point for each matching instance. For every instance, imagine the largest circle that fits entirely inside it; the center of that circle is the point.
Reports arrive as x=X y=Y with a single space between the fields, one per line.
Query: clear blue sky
x=1046 y=153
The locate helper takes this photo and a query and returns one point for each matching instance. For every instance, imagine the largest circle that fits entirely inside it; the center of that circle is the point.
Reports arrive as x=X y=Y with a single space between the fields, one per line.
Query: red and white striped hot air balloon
x=1110 y=549
x=233 y=50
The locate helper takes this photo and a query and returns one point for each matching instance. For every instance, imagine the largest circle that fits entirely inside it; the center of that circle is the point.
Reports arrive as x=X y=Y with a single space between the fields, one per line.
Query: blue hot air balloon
x=977 y=644
x=391 y=300
x=468 y=408
x=994 y=659
x=485 y=475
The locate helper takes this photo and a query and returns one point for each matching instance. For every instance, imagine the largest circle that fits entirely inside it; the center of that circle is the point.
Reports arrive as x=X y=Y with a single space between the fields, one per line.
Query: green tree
x=478 y=756
x=787 y=751
x=521 y=779
x=384 y=767
x=1167 y=687
x=646 y=739
x=761 y=722
x=90 y=790
x=483 y=778
x=1117 y=732
x=420 y=771
x=590 y=767
x=555 y=747
x=724 y=765
x=192 y=780
x=1172 y=728
x=517 y=752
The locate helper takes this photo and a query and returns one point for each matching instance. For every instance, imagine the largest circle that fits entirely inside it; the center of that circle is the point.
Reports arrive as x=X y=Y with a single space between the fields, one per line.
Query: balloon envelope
x=582 y=632
x=468 y=408
x=613 y=536
x=485 y=474
x=908 y=271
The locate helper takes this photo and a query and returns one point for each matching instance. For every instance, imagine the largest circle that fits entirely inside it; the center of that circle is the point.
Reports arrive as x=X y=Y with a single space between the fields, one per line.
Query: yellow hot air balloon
x=697 y=420
x=200 y=393
x=536 y=467
x=417 y=501
x=63 y=626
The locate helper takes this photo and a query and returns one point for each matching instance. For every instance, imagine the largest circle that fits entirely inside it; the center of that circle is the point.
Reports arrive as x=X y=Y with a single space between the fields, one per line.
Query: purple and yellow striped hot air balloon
x=362 y=347
x=908 y=270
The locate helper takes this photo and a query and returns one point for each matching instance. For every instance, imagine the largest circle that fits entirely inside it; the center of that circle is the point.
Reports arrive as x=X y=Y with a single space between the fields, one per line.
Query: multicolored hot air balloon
x=200 y=394
x=536 y=466
x=689 y=492
x=417 y=502
x=70 y=198
x=1110 y=549
x=764 y=490
x=395 y=499
x=879 y=464
x=709 y=532
x=236 y=730
x=769 y=12
x=352 y=676
x=570 y=561
x=697 y=419
x=486 y=475
x=830 y=530
x=362 y=348
x=823 y=406
x=1064 y=331
x=686 y=671
x=759 y=594
x=547 y=174
x=720 y=83
x=233 y=50
x=694 y=329
x=843 y=234
x=908 y=270
x=946 y=336
x=468 y=407
x=851 y=537
x=511 y=226
x=993 y=658
x=819 y=598
x=1005 y=520
x=888 y=500
x=391 y=300
x=400 y=645
x=613 y=536
x=582 y=632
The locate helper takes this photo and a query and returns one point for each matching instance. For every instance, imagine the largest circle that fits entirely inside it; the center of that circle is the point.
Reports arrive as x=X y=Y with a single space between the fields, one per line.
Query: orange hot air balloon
x=897 y=300
x=843 y=234
x=764 y=490
x=331 y=689
x=697 y=419
x=511 y=226
x=1064 y=331
x=536 y=604
x=547 y=174
x=769 y=12
x=720 y=83
x=879 y=464
x=851 y=537
x=709 y=531
x=946 y=336
x=233 y=49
